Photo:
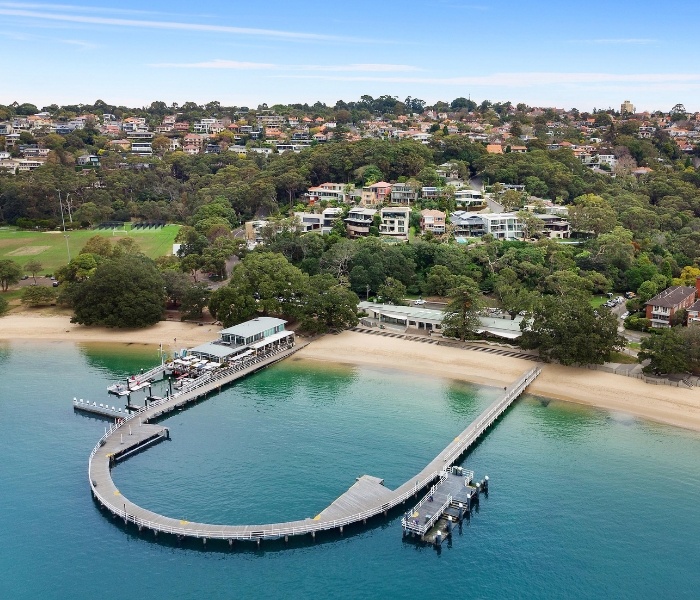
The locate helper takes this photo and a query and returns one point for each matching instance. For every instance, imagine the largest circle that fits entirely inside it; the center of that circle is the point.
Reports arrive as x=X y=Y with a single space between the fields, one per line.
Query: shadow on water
x=563 y=420
x=119 y=360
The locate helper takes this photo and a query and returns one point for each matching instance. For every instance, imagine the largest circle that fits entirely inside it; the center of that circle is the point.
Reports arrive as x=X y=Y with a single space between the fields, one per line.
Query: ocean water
x=583 y=503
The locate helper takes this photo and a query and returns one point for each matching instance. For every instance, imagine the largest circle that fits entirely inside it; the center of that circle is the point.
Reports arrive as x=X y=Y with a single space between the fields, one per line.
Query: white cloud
x=617 y=41
x=219 y=63
x=168 y=25
x=521 y=79
x=80 y=44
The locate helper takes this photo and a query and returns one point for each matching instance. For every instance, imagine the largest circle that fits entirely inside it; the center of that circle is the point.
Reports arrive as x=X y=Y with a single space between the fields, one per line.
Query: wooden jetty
x=449 y=501
x=367 y=498
x=99 y=409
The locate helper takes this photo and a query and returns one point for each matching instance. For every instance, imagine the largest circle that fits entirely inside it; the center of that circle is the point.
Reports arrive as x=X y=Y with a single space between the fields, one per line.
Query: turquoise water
x=583 y=503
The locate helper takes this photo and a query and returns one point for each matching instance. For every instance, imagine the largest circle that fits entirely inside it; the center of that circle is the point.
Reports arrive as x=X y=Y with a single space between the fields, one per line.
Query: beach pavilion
x=429 y=319
x=257 y=336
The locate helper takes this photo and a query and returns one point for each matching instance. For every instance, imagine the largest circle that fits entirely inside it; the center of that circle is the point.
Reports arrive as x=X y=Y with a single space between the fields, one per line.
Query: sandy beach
x=670 y=405
x=663 y=404
x=38 y=326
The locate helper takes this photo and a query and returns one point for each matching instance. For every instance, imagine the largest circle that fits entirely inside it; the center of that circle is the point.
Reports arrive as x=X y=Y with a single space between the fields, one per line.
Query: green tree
x=462 y=311
x=392 y=291
x=439 y=281
x=176 y=286
x=38 y=295
x=262 y=282
x=99 y=245
x=667 y=352
x=532 y=226
x=10 y=273
x=328 y=306
x=510 y=199
x=568 y=329
x=33 y=266
x=195 y=300
x=123 y=292
x=4 y=305
x=232 y=306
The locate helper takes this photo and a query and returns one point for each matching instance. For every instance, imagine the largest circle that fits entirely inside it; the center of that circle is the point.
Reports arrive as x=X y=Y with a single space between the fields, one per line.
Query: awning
x=275 y=337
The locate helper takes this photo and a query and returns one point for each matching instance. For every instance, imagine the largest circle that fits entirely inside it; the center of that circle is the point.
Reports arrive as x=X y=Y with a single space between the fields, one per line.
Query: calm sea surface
x=583 y=503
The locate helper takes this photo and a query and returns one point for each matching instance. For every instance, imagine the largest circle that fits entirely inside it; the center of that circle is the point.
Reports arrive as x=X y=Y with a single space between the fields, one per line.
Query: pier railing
x=163 y=524
x=487 y=418
x=248 y=532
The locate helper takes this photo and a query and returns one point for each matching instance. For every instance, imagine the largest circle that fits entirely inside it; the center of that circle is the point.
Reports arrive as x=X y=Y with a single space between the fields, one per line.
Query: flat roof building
x=245 y=334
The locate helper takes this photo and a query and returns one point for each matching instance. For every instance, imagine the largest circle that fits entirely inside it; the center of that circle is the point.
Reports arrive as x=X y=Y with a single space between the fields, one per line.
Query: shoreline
x=25 y=326
x=678 y=407
x=674 y=406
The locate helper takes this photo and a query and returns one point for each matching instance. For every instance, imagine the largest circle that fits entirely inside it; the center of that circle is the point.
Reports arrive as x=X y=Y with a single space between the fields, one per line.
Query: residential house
x=375 y=194
x=337 y=192
x=192 y=143
x=359 y=221
x=694 y=313
x=555 y=226
x=253 y=232
x=430 y=192
x=494 y=149
x=433 y=221
x=661 y=308
x=403 y=194
x=88 y=160
x=503 y=226
x=309 y=222
x=466 y=225
x=469 y=199
x=142 y=148
x=395 y=222
x=330 y=216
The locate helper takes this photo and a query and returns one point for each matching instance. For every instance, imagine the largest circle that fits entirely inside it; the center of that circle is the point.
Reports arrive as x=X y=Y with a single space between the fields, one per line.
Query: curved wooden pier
x=365 y=499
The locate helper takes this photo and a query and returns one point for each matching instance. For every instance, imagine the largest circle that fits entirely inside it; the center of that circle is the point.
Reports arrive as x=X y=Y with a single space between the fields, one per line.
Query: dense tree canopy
x=567 y=329
x=123 y=292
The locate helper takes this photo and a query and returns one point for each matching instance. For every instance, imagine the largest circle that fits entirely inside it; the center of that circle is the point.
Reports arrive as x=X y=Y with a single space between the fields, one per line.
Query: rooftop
x=672 y=297
x=254 y=326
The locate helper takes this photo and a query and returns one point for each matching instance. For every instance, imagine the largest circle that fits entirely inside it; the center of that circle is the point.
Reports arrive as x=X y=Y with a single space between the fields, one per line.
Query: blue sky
x=540 y=52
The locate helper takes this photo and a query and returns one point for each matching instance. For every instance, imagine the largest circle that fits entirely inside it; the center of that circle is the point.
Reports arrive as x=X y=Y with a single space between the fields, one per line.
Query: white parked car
x=419 y=302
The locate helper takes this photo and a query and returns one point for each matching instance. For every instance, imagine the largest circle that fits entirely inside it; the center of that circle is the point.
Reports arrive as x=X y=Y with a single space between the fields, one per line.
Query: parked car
x=55 y=284
x=419 y=302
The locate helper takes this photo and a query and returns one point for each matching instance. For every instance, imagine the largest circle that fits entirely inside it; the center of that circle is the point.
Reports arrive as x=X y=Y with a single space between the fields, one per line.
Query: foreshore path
x=365 y=499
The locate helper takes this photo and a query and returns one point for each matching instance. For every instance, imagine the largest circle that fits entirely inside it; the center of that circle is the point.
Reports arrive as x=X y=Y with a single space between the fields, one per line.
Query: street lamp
x=63 y=221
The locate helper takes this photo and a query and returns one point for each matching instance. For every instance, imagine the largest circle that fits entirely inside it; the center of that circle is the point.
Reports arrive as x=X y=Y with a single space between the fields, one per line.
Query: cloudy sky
x=542 y=52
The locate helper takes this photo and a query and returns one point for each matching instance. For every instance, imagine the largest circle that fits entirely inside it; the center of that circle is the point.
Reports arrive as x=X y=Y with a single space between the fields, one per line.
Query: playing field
x=49 y=248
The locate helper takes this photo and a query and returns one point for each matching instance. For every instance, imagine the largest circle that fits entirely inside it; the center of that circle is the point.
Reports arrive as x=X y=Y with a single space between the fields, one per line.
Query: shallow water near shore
x=583 y=502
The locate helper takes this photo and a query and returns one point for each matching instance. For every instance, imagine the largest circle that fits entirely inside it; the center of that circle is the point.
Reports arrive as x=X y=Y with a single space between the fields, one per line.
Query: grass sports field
x=49 y=248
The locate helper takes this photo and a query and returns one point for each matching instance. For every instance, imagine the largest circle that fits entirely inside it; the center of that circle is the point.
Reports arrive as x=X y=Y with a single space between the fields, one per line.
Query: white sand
x=37 y=326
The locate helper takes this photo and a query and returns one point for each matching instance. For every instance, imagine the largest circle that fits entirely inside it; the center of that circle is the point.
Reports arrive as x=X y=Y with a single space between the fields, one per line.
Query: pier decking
x=365 y=499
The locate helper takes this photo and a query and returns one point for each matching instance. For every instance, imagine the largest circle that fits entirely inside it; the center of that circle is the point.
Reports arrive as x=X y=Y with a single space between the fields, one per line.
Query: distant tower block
x=627 y=107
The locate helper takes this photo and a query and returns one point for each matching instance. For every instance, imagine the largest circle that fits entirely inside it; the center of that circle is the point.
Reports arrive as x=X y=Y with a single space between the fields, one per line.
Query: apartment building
x=661 y=308
x=395 y=221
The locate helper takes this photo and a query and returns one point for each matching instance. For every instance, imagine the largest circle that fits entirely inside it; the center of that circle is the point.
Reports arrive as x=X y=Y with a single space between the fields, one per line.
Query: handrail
x=277 y=530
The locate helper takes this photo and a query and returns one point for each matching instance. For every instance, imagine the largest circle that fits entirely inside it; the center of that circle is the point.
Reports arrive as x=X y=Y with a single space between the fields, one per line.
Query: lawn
x=597 y=301
x=49 y=248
